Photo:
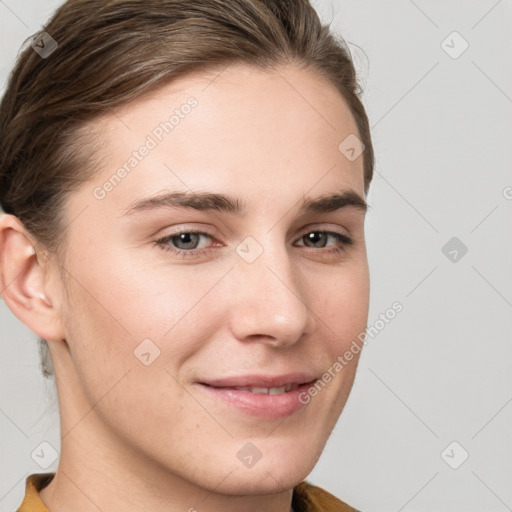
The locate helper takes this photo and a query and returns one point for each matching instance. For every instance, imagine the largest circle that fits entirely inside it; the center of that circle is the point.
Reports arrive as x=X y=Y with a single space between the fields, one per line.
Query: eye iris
x=315 y=237
x=187 y=239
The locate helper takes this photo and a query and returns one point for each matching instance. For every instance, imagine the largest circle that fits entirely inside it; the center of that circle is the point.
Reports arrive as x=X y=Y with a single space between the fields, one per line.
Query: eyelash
x=163 y=243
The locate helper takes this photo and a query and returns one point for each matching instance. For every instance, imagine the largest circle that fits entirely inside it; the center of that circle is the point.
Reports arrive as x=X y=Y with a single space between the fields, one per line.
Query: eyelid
x=202 y=230
x=327 y=229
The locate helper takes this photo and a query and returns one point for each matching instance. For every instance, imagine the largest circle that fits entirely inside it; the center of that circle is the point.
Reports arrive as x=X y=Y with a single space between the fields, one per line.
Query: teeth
x=258 y=391
x=277 y=391
x=268 y=391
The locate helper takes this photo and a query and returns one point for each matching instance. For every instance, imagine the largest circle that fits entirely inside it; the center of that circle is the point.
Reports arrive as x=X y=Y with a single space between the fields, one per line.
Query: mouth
x=267 y=397
x=262 y=390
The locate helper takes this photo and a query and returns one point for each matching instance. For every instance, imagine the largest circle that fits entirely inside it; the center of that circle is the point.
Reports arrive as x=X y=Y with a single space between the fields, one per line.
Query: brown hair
x=113 y=51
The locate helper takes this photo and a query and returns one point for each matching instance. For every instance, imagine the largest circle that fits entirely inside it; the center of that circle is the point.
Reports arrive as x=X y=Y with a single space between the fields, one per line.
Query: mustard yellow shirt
x=306 y=497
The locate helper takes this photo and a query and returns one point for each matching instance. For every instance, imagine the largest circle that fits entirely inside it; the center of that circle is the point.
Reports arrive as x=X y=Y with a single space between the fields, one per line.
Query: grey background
x=440 y=371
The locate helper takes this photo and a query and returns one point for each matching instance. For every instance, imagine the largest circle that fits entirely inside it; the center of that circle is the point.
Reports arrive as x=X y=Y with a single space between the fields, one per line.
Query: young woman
x=184 y=190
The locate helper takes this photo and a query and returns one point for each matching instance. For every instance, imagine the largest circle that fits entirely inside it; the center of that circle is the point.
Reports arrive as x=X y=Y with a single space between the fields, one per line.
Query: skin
x=138 y=437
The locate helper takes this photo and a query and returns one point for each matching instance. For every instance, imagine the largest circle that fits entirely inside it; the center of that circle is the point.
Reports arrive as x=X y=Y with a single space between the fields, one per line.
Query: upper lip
x=265 y=381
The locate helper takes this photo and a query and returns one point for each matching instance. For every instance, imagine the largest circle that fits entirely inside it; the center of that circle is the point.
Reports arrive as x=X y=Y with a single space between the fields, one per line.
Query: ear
x=22 y=280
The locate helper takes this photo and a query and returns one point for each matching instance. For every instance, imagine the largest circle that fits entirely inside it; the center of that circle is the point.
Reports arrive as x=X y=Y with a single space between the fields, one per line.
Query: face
x=208 y=286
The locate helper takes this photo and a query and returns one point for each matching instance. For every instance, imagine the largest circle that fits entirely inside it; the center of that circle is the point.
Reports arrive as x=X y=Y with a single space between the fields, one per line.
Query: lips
x=261 y=381
x=265 y=396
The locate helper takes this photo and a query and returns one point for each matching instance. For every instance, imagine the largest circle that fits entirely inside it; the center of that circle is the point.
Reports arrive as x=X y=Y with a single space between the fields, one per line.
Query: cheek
x=122 y=300
x=341 y=306
x=119 y=289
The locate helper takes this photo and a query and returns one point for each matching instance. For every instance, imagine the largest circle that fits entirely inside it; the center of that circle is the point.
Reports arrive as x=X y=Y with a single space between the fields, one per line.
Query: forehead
x=231 y=129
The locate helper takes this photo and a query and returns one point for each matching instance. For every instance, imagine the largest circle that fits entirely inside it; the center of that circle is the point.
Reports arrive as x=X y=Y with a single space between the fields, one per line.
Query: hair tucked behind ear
x=109 y=53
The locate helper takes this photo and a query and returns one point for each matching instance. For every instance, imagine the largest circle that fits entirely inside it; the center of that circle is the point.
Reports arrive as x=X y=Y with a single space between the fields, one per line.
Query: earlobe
x=22 y=280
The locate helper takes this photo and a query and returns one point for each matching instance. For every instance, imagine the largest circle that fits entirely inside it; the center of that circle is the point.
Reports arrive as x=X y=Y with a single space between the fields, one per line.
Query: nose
x=269 y=302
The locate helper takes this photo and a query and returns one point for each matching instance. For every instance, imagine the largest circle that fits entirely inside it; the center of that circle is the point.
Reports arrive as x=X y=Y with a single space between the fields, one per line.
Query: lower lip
x=260 y=404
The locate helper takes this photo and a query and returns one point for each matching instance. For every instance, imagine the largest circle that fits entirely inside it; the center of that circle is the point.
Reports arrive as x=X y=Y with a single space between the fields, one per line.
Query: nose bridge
x=268 y=301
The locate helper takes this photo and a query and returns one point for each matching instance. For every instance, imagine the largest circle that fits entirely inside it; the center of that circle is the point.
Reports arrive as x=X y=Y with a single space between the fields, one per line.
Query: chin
x=263 y=482
x=273 y=473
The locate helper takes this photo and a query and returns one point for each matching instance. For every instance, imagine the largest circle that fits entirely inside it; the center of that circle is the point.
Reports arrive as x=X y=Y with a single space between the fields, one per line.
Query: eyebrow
x=207 y=201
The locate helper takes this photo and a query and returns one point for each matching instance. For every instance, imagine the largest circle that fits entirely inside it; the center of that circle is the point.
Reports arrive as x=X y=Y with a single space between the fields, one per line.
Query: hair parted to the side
x=111 y=52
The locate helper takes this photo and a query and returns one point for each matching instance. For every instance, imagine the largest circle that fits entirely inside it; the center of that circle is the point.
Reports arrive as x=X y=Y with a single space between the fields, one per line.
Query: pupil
x=318 y=236
x=187 y=239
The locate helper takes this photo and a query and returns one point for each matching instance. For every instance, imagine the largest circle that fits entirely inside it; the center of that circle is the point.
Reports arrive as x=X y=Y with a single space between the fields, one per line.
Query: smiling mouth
x=260 y=390
x=266 y=397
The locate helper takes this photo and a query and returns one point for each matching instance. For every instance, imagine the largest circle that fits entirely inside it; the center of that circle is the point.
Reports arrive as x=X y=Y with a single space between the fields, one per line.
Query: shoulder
x=310 y=498
x=32 y=501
